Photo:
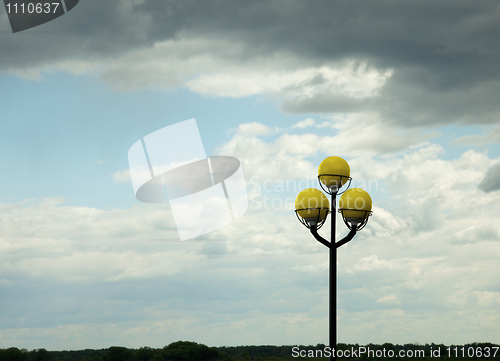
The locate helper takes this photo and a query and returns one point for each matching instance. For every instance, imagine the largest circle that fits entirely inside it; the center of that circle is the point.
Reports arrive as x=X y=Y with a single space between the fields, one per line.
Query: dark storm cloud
x=444 y=53
x=95 y=30
x=442 y=35
x=491 y=181
x=411 y=104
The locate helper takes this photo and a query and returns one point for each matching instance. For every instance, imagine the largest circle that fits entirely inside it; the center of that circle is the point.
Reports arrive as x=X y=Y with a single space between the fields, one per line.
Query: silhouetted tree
x=41 y=355
x=157 y=357
x=144 y=354
x=12 y=354
x=116 y=353
x=189 y=351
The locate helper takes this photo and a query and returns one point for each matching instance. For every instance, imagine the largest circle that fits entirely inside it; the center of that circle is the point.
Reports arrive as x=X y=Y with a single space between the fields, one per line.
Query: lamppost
x=312 y=208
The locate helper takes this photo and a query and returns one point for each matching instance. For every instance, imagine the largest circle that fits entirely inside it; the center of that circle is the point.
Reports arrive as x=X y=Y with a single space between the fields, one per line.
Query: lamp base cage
x=361 y=224
x=337 y=191
x=319 y=222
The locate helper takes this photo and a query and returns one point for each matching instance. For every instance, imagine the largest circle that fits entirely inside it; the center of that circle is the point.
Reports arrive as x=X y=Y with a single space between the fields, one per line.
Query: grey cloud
x=407 y=100
x=326 y=103
x=491 y=181
x=481 y=233
x=94 y=30
x=444 y=54
x=423 y=33
x=490 y=135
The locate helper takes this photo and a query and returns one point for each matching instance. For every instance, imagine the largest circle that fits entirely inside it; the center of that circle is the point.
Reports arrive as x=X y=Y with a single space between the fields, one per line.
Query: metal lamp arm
x=347 y=238
x=320 y=239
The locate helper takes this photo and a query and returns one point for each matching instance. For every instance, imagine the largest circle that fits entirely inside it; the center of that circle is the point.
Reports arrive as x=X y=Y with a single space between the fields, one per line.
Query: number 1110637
x=32 y=8
x=472 y=351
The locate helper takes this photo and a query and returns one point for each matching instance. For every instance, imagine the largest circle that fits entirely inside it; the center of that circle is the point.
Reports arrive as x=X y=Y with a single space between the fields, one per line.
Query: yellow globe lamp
x=333 y=172
x=355 y=205
x=312 y=207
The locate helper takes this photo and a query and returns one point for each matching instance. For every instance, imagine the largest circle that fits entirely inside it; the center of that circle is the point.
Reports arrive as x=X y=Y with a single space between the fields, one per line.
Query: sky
x=406 y=92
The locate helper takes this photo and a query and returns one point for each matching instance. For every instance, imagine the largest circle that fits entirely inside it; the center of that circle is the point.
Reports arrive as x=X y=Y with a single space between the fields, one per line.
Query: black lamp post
x=312 y=208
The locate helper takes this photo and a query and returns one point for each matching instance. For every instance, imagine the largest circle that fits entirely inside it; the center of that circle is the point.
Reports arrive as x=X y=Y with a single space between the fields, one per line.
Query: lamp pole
x=312 y=208
x=333 y=280
x=333 y=269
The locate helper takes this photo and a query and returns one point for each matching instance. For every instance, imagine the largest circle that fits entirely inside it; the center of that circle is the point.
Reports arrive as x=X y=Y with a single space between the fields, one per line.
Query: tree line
x=192 y=351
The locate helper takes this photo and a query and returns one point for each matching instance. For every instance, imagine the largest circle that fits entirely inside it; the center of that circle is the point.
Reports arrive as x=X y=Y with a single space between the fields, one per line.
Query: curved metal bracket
x=320 y=239
x=347 y=238
x=338 y=244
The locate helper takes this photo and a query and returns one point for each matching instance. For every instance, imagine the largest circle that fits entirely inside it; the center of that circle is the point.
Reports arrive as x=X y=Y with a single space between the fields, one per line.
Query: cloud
x=309 y=122
x=349 y=79
x=481 y=232
x=391 y=299
x=79 y=264
x=416 y=245
x=373 y=263
x=488 y=299
x=380 y=73
x=370 y=57
x=253 y=129
x=491 y=135
x=261 y=159
x=491 y=181
x=285 y=157
x=121 y=176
